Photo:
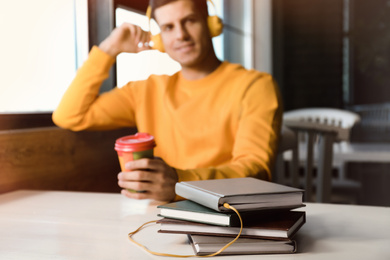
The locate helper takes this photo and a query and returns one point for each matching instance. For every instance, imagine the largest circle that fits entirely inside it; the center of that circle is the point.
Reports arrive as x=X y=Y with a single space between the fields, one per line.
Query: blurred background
x=322 y=53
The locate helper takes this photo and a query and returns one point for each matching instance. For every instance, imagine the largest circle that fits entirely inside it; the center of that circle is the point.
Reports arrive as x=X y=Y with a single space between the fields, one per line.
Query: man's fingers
x=139 y=36
x=145 y=164
x=133 y=38
x=153 y=176
x=135 y=185
x=135 y=195
x=136 y=175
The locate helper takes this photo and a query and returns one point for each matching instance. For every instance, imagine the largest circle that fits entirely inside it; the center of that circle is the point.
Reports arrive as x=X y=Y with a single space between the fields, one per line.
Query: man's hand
x=153 y=176
x=126 y=38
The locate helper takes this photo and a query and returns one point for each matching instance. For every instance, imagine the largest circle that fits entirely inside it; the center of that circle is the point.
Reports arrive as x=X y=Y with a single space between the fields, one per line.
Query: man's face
x=184 y=33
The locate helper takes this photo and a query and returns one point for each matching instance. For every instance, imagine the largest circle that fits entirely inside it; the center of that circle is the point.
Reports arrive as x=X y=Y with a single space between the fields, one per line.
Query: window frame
x=25 y=120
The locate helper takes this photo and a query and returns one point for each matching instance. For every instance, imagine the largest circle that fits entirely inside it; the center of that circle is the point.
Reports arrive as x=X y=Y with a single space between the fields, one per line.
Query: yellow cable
x=226 y=205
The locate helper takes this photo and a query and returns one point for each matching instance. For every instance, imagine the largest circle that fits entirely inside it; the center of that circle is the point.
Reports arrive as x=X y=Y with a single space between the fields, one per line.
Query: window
x=308 y=52
x=43 y=43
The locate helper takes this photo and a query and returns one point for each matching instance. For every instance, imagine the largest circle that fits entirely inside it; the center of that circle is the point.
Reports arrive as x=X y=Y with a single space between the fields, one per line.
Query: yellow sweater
x=225 y=125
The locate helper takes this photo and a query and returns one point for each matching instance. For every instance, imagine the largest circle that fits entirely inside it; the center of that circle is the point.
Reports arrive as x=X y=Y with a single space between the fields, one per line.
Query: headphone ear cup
x=157 y=43
x=215 y=25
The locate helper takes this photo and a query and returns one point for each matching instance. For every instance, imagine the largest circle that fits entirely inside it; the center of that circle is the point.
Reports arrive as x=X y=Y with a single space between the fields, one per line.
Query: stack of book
x=269 y=223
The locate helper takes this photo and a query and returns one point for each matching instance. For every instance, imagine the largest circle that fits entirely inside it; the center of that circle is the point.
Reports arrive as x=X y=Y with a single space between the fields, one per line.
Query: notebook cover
x=204 y=245
x=281 y=226
x=202 y=214
x=239 y=186
x=243 y=191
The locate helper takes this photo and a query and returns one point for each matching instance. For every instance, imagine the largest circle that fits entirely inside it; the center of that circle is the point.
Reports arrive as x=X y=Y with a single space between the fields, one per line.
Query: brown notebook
x=280 y=226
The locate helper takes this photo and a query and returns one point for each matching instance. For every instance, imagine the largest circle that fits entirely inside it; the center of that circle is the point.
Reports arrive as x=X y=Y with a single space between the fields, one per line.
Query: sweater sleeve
x=256 y=140
x=82 y=107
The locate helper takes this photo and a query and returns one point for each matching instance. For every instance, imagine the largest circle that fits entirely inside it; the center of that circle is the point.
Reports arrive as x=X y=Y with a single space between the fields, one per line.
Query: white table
x=361 y=152
x=346 y=152
x=75 y=225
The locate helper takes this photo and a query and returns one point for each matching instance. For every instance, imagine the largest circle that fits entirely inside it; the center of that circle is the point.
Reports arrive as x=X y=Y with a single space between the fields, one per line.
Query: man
x=211 y=120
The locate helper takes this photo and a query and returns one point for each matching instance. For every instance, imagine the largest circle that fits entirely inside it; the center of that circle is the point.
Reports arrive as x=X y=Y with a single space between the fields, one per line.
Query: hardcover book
x=241 y=193
x=282 y=226
x=192 y=211
x=204 y=245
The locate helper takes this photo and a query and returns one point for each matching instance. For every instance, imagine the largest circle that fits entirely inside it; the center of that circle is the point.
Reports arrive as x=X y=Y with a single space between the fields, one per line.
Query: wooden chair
x=318 y=129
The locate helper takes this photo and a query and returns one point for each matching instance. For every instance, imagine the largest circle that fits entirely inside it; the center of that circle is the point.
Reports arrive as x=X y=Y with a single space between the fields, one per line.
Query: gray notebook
x=241 y=193
x=204 y=245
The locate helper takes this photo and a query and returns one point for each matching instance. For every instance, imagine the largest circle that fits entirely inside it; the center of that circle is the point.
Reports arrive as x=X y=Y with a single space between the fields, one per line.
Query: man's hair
x=201 y=6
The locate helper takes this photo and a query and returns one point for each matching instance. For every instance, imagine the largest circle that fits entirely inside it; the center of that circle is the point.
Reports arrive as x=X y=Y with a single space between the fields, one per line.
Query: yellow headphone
x=215 y=25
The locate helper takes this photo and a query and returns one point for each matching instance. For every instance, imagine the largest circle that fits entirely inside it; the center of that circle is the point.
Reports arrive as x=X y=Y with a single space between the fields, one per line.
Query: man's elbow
x=65 y=122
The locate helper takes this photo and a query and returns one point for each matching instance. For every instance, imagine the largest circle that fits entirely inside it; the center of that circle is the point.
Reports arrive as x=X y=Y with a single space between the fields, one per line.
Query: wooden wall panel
x=28 y=120
x=55 y=159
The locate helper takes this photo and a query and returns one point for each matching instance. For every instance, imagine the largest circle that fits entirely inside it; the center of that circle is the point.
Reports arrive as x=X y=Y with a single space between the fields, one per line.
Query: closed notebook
x=241 y=193
x=204 y=245
x=281 y=226
x=191 y=211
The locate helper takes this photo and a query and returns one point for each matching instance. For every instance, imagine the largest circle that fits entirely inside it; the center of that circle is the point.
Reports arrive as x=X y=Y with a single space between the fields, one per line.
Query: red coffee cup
x=134 y=147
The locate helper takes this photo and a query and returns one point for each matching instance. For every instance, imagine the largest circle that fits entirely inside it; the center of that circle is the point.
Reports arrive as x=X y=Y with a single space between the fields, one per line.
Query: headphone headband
x=149 y=9
x=149 y=12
